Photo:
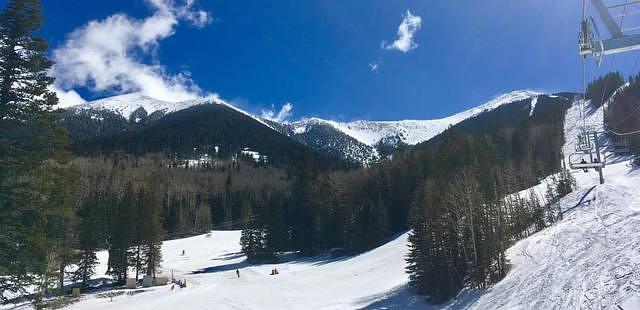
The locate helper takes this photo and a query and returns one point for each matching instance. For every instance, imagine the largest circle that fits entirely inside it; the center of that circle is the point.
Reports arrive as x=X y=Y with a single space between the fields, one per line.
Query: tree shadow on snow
x=223 y=268
x=404 y=298
x=229 y=256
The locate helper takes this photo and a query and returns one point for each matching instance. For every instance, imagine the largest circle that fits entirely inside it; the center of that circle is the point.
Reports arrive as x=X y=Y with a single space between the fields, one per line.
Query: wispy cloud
x=374 y=65
x=283 y=115
x=112 y=55
x=407 y=29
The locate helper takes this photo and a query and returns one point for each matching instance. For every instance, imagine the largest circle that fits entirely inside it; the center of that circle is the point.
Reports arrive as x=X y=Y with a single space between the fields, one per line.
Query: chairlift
x=592 y=43
x=586 y=159
x=584 y=144
x=621 y=39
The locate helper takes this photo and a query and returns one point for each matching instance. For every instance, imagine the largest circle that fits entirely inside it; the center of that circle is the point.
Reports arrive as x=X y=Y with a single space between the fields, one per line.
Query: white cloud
x=112 y=55
x=410 y=24
x=282 y=115
x=67 y=98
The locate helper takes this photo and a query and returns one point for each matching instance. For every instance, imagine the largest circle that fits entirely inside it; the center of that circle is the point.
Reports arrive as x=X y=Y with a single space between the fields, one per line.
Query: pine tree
x=565 y=184
x=122 y=235
x=90 y=234
x=24 y=79
x=303 y=177
x=28 y=136
x=436 y=265
x=152 y=232
x=137 y=241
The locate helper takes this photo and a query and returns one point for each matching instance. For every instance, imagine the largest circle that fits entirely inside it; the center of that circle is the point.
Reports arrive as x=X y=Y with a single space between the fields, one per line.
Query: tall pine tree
x=28 y=137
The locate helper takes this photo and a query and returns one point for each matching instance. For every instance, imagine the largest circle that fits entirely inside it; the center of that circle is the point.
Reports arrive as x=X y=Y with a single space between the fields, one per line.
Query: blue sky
x=317 y=55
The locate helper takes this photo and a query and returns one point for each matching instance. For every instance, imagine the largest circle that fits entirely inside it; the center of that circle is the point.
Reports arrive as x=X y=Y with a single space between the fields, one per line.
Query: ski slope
x=209 y=266
x=589 y=260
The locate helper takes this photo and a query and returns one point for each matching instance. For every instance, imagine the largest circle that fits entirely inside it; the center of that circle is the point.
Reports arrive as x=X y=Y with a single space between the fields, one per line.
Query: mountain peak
x=410 y=131
x=125 y=105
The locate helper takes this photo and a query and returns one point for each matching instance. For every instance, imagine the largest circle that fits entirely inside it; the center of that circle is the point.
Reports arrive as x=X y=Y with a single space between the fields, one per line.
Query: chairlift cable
x=628 y=116
x=624 y=133
x=584 y=69
x=613 y=58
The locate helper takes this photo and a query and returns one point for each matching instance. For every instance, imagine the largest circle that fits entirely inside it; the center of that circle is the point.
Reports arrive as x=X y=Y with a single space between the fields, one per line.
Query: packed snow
x=412 y=131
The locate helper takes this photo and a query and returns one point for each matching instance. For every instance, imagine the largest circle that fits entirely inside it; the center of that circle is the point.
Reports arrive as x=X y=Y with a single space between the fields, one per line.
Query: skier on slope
x=238 y=273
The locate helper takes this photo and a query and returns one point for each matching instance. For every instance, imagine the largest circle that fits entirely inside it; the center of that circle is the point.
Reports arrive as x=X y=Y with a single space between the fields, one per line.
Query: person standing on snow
x=238 y=273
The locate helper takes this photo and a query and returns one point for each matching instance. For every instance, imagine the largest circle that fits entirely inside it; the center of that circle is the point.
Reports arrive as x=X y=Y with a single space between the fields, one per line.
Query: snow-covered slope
x=125 y=105
x=209 y=265
x=410 y=131
x=589 y=260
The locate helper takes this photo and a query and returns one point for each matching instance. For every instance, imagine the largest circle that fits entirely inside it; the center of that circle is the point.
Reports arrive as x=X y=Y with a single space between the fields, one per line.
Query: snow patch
x=534 y=102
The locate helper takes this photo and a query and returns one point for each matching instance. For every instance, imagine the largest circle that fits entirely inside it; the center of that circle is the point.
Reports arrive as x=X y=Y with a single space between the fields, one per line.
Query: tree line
x=454 y=193
x=600 y=89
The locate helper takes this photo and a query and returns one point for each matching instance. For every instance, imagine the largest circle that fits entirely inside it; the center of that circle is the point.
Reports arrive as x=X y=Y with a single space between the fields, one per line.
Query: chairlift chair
x=584 y=144
x=587 y=152
x=582 y=161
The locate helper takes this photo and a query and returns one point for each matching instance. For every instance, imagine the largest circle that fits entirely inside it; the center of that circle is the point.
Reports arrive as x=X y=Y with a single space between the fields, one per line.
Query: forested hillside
x=485 y=158
x=600 y=89
x=622 y=116
x=326 y=139
x=204 y=127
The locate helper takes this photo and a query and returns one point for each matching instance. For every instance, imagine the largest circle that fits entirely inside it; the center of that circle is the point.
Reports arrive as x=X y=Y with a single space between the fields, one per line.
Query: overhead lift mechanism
x=620 y=40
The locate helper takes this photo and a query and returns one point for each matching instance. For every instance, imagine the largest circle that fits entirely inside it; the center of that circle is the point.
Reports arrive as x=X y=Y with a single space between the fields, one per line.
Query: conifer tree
x=24 y=80
x=122 y=235
x=28 y=136
x=90 y=234
x=152 y=232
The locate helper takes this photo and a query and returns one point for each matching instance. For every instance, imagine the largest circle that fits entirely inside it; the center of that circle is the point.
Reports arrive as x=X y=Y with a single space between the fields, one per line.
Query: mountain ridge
x=360 y=141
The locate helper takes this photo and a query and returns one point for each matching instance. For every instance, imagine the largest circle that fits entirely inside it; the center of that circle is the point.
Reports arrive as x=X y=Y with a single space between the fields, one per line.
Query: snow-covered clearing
x=210 y=263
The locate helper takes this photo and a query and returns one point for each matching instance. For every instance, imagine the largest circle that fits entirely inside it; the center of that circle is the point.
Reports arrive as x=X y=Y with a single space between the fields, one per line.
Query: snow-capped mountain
x=361 y=142
x=320 y=135
x=408 y=131
x=129 y=105
x=365 y=141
